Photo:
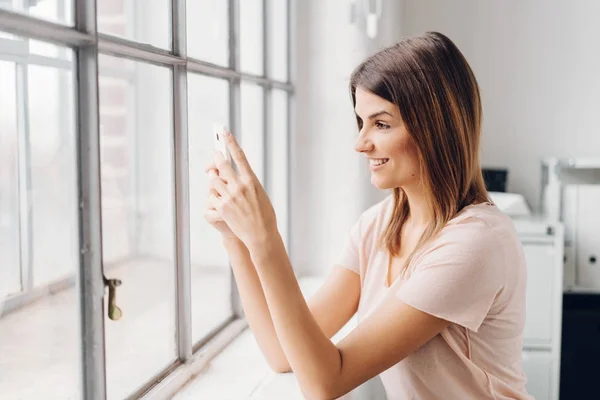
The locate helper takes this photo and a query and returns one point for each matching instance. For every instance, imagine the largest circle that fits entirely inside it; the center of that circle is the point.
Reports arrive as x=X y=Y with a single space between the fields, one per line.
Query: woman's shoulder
x=372 y=222
x=480 y=232
x=374 y=217
x=484 y=219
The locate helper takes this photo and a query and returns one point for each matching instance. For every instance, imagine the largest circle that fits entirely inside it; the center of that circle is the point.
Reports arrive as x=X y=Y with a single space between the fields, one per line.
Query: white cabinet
x=587 y=242
x=543 y=245
x=537 y=365
x=540 y=293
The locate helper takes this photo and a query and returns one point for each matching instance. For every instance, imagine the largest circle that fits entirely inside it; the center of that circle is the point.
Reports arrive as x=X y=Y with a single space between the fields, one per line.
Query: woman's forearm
x=254 y=304
x=313 y=358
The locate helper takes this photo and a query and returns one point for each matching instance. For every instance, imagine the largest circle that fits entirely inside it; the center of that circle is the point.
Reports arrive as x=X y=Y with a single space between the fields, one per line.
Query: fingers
x=237 y=154
x=212 y=216
x=224 y=167
x=210 y=165
x=217 y=186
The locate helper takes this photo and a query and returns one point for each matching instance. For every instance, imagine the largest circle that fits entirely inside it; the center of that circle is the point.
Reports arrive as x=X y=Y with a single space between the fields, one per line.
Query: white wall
x=330 y=182
x=538 y=64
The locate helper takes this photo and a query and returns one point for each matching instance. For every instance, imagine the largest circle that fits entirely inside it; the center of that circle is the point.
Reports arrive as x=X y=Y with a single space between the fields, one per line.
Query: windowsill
x=240 y=371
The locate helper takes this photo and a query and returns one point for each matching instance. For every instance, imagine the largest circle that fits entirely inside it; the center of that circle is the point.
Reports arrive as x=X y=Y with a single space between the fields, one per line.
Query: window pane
x=10 y=272
x=59 y=11
x=53 y=176
x=40 y=341
x=278 y=39
x=208 y=30
x=252 y=133
x=138 y=221
x=145 y=21
x=48 y=50
x=251 y=36
x=278 y=160
x=211 y=279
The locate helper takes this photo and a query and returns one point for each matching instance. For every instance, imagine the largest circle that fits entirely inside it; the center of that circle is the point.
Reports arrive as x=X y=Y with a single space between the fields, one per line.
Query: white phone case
x=218 y=130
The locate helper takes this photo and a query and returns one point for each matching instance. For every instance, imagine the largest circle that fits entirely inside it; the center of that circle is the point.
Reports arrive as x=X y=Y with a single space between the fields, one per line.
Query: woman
x=436 y=272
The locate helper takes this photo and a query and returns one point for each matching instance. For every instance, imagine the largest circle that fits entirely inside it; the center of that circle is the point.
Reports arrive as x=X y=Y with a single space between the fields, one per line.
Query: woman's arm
x=255 y=305
x=332 y=305
x=323 y=370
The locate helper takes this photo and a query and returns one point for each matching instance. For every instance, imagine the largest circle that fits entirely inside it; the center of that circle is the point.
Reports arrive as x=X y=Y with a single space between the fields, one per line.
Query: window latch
x=114 y=312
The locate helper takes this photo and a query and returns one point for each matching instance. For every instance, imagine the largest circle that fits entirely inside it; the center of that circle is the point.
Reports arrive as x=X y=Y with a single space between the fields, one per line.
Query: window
x=208 y=104
x=252 y=130
x=39 y=323
x=208 y=19
x=278 y=37
x=53 y=185
x=10 y=275
x=251 y=36
x=60 y=11
x=85 y=201
x=279 y=160
x=138 y=20
x=138 y=221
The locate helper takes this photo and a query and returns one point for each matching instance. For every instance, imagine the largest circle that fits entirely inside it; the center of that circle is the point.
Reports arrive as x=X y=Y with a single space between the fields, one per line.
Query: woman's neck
x=420 y=211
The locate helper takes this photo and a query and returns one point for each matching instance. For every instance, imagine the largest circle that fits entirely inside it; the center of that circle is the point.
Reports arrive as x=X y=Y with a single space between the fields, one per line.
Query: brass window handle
x=114 y=312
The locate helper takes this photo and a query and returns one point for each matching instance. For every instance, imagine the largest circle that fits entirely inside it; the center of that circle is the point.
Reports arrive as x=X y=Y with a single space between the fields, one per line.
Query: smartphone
x=219 y=140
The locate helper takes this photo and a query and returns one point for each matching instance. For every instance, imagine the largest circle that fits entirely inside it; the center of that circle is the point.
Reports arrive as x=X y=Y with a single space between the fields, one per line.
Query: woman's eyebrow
x=376 y=114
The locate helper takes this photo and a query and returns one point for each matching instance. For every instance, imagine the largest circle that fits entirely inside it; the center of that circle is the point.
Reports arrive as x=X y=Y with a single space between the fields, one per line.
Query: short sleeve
x=350 y=256
x=459 y=276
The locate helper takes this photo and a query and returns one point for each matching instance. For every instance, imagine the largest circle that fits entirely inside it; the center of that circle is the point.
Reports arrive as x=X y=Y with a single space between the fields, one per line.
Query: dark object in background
x=495 y=179
x=580 y=352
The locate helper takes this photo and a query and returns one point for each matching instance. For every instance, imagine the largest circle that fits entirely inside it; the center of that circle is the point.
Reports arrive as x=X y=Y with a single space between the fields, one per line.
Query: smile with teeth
x=378 y=161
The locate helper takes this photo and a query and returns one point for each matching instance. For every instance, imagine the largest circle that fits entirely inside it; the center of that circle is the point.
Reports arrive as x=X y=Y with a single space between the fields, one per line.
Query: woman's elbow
x=280 y=367
x=319 y=392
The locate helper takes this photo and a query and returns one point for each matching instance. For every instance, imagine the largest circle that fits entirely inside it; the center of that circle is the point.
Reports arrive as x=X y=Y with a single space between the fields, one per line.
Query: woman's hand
x=240 y=199
x=211 y=215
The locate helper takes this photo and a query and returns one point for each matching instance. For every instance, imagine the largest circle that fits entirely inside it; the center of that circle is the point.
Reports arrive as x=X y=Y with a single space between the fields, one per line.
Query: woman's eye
x=381 y=125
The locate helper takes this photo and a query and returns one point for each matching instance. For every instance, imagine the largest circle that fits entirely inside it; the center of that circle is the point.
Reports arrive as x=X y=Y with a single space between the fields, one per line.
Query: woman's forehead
x=368 y=103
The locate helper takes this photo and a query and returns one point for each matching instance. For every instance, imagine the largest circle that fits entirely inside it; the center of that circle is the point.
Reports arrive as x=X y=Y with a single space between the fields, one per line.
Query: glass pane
x=19 y=46
x=211 y=282
x=278 y=39
x=251 y=36
x=48 y=50
x=144 y=21
x=10 y=272
x=278 y=160
x=252 y=133
x=40 y=341
x=138 y=221
x=60 y=11
x=53 y=177
x=208 y=30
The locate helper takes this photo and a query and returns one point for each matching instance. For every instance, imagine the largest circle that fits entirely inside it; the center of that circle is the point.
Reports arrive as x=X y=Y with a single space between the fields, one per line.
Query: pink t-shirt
x=472 y=274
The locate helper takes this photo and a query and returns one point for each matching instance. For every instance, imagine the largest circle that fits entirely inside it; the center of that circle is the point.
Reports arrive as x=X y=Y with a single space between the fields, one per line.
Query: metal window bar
x=91 y=285
x=24 y=179
x=291 y=116
x=266 y=4
x=182 y=198
x=234 y=117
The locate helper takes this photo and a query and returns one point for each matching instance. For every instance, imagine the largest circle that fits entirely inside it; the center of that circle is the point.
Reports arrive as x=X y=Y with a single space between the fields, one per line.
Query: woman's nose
x=362 y=143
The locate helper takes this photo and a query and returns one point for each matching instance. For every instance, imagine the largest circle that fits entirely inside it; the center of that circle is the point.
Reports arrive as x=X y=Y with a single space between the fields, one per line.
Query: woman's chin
x=381 y=183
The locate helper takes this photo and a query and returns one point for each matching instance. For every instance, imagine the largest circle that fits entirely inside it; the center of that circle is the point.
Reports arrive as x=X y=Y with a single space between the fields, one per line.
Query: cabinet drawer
x=537 y=366
x=541 y=290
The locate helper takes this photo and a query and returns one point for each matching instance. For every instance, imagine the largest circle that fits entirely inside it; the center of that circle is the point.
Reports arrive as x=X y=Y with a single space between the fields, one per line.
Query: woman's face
x=385 y=141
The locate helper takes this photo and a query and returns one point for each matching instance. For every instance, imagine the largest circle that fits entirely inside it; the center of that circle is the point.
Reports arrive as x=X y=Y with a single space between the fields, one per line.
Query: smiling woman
x=435 y=272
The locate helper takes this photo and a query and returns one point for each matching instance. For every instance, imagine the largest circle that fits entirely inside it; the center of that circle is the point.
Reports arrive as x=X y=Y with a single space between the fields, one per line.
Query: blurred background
x=276 y=72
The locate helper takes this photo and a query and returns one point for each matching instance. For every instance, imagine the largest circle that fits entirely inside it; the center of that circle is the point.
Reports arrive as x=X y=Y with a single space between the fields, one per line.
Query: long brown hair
x=432 y=84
